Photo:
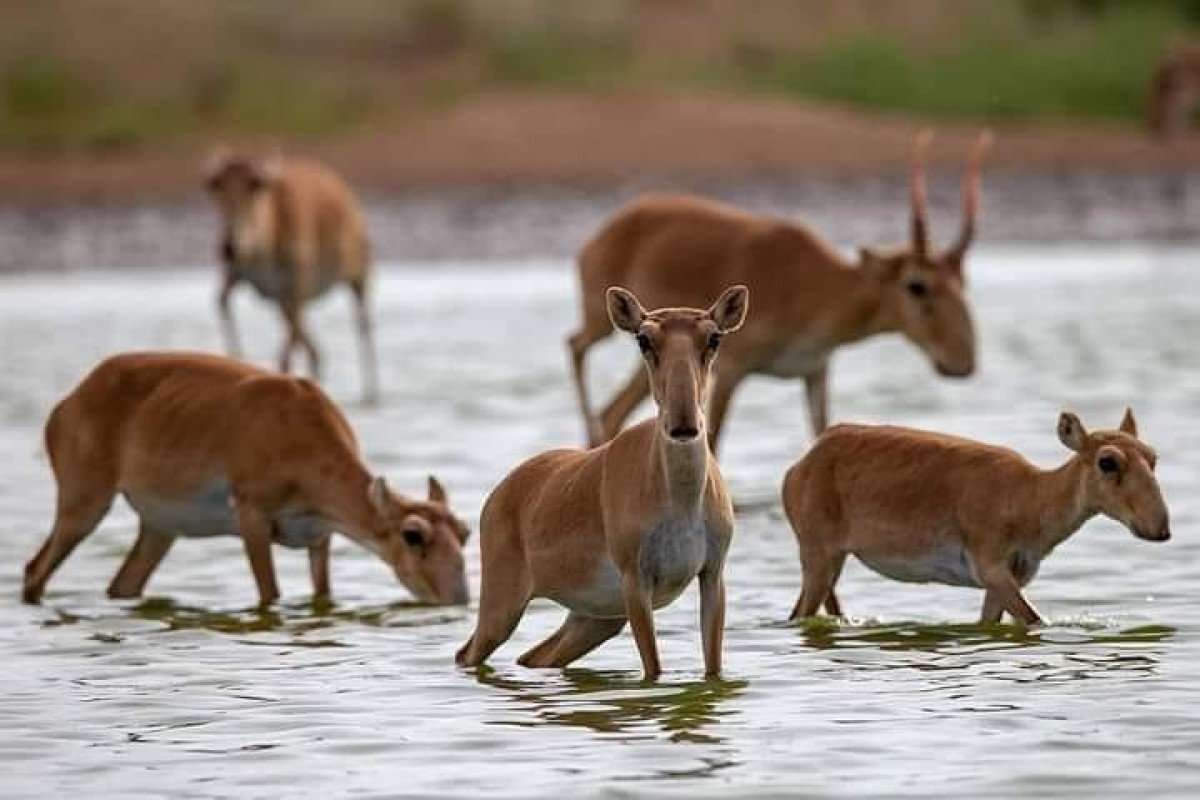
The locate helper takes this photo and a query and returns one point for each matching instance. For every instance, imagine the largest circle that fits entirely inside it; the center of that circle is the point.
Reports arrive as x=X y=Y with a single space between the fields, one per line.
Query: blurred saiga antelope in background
x=292 y=229
x=1174 y=93
x=677 y=250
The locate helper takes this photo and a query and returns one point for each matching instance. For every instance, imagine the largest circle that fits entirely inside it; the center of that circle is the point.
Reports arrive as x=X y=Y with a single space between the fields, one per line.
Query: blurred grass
x=172 y=72
x=1093 y=70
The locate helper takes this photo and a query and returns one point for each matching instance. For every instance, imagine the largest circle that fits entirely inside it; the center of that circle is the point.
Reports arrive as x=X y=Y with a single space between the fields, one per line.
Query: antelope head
x=926 y=287
x=240 y=186
x=679 y=346
x=422 y=541
x=1119 y=477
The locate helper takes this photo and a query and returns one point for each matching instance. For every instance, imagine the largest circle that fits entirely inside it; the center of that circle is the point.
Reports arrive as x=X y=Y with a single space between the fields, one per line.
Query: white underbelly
x=947 y=564
x=796 y=361
x=210 y=512
x=671 y=556
x=274 y=282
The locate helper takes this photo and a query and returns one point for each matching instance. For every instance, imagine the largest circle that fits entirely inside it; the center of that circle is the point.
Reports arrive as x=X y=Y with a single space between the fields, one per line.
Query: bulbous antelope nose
x=684 y=433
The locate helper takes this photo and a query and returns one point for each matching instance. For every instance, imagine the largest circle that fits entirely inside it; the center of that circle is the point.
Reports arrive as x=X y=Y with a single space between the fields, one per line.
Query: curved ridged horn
x=970 y=198
x=917 y=197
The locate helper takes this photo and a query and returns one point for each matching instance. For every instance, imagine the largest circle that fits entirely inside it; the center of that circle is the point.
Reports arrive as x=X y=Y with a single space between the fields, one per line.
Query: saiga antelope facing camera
x=677 y=250
x=618 y=531
x=924 y=507
x=292 y=229
x=203 y=446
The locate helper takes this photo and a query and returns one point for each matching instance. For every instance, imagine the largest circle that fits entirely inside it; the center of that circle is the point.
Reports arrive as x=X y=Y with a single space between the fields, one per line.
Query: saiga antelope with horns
x=924 y=507
x=618 y=531
x=203 y=446
x=808 y=300
x=292 y=229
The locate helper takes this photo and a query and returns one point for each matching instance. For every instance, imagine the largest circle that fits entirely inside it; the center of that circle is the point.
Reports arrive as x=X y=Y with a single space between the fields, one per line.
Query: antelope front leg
x=816 y=389
x=233 y=345
x=640 y=611
x=366 y=343
x=318 y=567
x=255 y=527
x=1005 y=593
x=712 y=618
x=297 y=336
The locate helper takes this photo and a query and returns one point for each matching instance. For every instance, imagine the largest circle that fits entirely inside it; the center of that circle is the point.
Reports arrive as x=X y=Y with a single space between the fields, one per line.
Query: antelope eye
x=714 y=341
x=414 y=537
x=917 y=288
x=644 y=343
x=1107 y=464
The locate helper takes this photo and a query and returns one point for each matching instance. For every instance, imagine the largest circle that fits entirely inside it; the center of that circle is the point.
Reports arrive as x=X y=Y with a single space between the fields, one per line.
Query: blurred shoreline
x=534 y=175
x=485 y=222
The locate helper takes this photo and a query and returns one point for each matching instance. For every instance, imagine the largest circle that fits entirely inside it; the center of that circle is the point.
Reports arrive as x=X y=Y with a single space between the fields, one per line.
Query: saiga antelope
x=292 y=229
x=924 y=507
x=202 y=446
x=1174 y=93
x=808 y=300
x=618 y=531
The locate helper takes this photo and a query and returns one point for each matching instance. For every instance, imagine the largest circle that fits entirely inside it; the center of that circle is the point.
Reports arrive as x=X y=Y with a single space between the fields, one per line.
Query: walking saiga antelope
x=292 y=230
x=924 y=507
x=1174 y=93
x=203 y=445
x=808 y=300
x=618 y=531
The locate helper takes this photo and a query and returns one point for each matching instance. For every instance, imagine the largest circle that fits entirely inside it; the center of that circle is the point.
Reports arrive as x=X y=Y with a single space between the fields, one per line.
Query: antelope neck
x=684 y=469
x=1060 y=499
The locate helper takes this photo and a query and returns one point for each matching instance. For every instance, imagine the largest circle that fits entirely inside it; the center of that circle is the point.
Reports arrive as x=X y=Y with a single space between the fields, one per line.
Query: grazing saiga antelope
x=292 y=230
x=677 y=250
x=924 y=507
x=203 y=445
x=618 y=531
x=1174 y=93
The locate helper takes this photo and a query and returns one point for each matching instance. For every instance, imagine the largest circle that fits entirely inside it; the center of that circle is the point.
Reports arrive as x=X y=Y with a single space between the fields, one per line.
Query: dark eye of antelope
x=1108 y=465
x=414 y=537
x=714 y=341
x=644 y=343
x=917 y=289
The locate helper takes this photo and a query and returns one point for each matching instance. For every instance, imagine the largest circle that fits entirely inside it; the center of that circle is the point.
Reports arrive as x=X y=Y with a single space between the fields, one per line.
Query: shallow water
x=189 y=692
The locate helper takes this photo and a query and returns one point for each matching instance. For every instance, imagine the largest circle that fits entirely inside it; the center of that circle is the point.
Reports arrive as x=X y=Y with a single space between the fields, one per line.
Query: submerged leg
x=816 y=388
x=78 y=514
x=147 y=553
x=366 y=343
x=318 y=567
x=578 y=636
x=579 y=343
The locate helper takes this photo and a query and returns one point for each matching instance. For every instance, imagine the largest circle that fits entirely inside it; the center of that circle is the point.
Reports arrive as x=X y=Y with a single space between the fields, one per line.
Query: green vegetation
x=1096 y=67
x=176 y=72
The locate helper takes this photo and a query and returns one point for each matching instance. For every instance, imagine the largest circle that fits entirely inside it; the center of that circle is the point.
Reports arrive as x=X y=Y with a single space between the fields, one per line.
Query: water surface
x=190 y=691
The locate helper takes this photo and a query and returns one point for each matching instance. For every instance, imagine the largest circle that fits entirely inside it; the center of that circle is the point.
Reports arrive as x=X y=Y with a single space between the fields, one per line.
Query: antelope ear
x=271 y=167
x=624 y=310
x=1071 y=432
x=729 y=312
x=379 y=494
x=1128 y=423
x=437 y=492
x=218 y=157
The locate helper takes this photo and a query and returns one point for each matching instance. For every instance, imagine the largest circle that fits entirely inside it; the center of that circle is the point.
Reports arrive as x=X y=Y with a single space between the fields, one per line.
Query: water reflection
x=1063 y=651
x=295 y=618
x=610 y=702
